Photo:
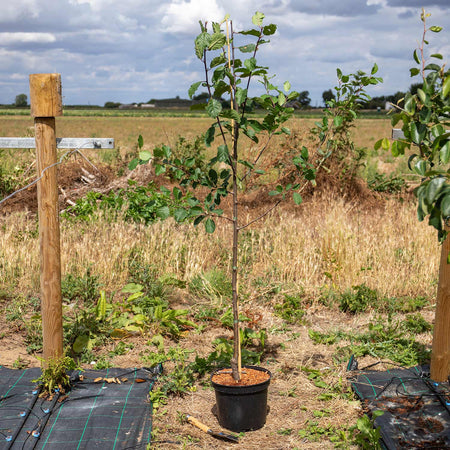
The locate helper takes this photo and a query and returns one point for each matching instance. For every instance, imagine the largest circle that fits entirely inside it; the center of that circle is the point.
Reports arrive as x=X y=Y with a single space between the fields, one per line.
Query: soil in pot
x=242 y=406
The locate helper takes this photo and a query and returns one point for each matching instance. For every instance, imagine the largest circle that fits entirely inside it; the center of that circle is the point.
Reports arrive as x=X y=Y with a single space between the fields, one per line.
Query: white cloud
x=182 y=16
x=15 y=38
x=109 y=49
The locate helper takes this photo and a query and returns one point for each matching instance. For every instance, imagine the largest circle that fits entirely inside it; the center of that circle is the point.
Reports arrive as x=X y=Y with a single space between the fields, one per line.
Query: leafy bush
x=359 y=299
x=83 y=288
x=141 y=204
x=290 y=310
x=390 y=184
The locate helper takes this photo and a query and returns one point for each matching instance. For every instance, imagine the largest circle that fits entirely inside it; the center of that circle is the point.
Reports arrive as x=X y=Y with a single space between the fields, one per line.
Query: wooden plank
x=49 y=234
x=81 y=143
x=440 y=353
x=45 y=95
x=45 y=100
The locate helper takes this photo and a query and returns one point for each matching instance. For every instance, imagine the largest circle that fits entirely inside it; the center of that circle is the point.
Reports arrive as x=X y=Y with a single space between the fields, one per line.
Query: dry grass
x=324 y=242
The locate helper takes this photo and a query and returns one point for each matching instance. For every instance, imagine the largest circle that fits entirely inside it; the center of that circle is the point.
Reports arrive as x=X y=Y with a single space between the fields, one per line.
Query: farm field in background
x=355 y=275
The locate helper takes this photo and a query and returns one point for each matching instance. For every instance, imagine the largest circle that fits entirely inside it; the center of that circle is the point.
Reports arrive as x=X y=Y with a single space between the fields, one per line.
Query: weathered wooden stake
x=46 y=104
x=440 y=354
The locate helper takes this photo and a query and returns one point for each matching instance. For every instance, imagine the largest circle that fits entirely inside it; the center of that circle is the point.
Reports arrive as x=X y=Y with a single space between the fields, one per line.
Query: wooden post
x=440 y=355
x=46 y=104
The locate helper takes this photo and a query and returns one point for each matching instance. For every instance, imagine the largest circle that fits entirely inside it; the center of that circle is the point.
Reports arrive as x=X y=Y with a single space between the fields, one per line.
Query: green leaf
x=209 y=135
x=446 y=87
x=374 y=69
x=133 y=163
x=201 y=44
x=198 y=220
x=249 y=48
x=258 y=18
x=255 y=33
x=337 y=121
x=420 y=167
x=433 y=189
x=445 y=206
x=214 y=107
x=140 y=141
x=217 y=61
x=444 y=153
x=162 y=212
x=377 y=144
x=180 y=214
x=287 y=86
x=250 y=64
x=385 y=144
x=415 y=137
x=410 y=104
x=177 y=194
x=222 y=153
x=217 y=41
x=436 y=55
x=416 y=57
x=193 y=89
x=414 y=71
x=297 y=198
x=398 y=148
x=270 y=29
x=241 y=96
x=434 y=67
x=281 y=99
x=159 y=169
x=210 y=225
x=81 y=343
x=145 y=156
x=435 y=29
x=230 y=114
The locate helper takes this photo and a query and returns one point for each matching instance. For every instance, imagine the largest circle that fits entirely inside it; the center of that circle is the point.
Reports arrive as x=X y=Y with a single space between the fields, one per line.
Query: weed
x=121 y=348
x=54 y=375
x=33 y=336
x=359 y=300
x=340 y=389
x=415 y=323
x=213 y=285
x=145 y=275
x=285 y=431
x=365 y=434
x=390 y=184
x=253 y=345
x=290 y=310
x=16 y=309
x=20 y=363
x=102 y=362
x=383 y=340
x=141 y=204
x=178 y=381
x=83 y=288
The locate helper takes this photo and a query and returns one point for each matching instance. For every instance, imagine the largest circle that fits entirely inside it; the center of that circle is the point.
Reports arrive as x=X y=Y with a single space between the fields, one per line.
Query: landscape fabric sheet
x=416 y=409
x=105 y=409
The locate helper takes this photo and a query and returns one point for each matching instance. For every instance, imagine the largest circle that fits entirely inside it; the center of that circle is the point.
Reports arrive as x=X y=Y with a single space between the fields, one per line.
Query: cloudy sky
x=135 y=50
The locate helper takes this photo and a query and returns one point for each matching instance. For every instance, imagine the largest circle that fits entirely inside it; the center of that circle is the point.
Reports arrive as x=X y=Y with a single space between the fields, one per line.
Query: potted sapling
x=230 y=67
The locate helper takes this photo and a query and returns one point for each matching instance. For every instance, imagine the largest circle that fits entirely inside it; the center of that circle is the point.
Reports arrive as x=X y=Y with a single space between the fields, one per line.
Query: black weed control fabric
x=98 y=412
x=416 y=409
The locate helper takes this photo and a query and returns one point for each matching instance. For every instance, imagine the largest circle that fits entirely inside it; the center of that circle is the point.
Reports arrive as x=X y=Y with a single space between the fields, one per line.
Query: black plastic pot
x=242 y=408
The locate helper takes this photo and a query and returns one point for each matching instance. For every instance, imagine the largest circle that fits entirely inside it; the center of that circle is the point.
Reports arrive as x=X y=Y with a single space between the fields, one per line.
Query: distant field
x=126 y=125
x=170 y=112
